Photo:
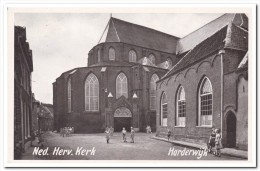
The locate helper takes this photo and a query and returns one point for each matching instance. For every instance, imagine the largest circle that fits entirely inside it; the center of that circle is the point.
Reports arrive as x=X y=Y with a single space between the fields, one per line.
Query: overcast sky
x=61 y=42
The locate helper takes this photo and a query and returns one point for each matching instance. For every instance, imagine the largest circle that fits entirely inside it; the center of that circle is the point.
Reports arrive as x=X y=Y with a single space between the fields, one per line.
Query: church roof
x=229 y=36
x=112 y=63
x=191 y=40
x=244 y=63
x=122 y=31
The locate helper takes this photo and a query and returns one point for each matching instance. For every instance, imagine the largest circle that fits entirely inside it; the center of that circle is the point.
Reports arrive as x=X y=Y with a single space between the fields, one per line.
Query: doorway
x=231 y=130
x=122 y=119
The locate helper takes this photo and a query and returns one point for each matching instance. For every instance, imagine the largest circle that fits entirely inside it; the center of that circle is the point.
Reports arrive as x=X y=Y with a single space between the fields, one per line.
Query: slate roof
x=205 y=48
x=191 y=40
x=122 y=31
x=229 y=36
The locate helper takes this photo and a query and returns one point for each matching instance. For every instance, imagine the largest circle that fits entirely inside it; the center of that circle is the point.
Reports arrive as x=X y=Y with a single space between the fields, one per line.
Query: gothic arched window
x=181 y=107
x=132 y=56
x=112 y=54
x=152 y=58
x=153 y=81
x=164 y=109
x=205 y=103
x=121 y=86
x=91 y=93
x=69 y=95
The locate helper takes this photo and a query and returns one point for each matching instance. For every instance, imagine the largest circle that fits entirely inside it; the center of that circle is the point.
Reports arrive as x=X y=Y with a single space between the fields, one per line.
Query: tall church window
x=205 y=102
x=132 y=56
x=181 y=107
x=112 y=54
x=91 y=93
x=164 y=109
x=69 y=95
x=152 y=58
x=153 y=81
x=121 y=86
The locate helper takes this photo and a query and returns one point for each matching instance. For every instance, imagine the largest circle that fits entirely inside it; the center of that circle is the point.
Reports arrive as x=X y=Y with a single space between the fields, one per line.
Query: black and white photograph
x=121 y=84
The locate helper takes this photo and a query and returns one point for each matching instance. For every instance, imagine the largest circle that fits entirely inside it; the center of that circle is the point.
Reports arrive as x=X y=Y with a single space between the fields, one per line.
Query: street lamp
x=135 y=96
x=109 y=96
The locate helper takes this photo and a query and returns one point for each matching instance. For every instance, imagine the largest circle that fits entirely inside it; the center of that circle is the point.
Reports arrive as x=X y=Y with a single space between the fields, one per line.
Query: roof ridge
x=209 y=23
x=145 y=27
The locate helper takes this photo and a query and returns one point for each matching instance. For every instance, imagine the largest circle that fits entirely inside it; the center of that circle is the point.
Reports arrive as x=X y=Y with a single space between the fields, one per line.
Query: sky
x=61 y=41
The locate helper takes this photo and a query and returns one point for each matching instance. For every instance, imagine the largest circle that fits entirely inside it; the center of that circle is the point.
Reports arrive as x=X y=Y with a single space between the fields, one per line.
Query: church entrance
x=122 y=119
x=231 y=130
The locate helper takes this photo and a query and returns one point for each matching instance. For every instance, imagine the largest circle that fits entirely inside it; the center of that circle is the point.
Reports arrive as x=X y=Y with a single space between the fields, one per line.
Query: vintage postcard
x=130 y=85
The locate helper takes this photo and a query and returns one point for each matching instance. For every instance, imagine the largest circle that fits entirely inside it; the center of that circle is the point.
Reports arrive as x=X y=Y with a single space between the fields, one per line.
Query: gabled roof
x=229 y=36
x=191 y=40
x=205 y=48
x=122 y=31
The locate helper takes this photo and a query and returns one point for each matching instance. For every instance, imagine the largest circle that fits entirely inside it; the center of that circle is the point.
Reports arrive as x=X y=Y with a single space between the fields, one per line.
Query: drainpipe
x=221 y=52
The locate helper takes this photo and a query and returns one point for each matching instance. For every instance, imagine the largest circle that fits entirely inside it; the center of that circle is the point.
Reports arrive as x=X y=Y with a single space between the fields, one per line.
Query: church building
x=139 y=76
x=118 y=87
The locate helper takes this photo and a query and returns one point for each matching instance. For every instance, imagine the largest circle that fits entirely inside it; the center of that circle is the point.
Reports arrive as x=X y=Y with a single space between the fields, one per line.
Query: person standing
x=132 y=135
x=169 y=134
x=218 y=143
x=111 y=131
x=124 y=135
x=107 y=135
x=211 y=143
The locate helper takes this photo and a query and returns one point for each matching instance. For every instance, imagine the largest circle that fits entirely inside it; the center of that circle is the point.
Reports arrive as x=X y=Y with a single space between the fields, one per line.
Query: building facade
x=118 y=88
x=23 y=67
x=139 y=76
x=205 y=89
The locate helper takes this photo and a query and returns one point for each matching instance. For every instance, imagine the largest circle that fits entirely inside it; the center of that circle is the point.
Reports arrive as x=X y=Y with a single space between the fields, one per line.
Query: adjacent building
x=23 y=67
x=207 y=88
x=42 y=116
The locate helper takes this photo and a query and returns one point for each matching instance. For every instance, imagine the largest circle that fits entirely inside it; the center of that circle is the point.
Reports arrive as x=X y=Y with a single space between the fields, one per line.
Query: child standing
x=218 y=143
x=107 y=135
x=132 y=135
x=124 y=134
x=169 y=134
x=211 y=142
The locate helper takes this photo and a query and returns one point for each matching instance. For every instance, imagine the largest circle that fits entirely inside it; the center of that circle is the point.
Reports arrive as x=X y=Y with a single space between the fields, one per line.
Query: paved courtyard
x=144 y=148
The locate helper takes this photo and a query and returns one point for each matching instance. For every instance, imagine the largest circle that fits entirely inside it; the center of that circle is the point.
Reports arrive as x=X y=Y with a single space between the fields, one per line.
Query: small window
x=112 y=54
x=152 y=58
x=132 y=56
